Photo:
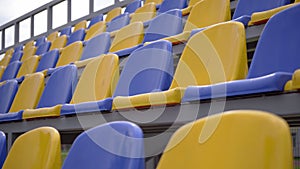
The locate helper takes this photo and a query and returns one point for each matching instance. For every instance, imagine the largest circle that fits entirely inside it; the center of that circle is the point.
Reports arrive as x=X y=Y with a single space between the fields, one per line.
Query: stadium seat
x=58 y=90
x=8 y=90
x=167 y=5
x=158 y=2
x=28 y=53
x=27 y=97
x=95 y=30
x=48 y=60
x=59 y=42
x=52 y=36
x=207 y=58
x=9 y=52
x=270 y=69
x=28 y=45
x=128 y=39
x=28 y=66
x=3 y=148
x=16 y=56
x=120 y=144
x=149 y=69
x=80 y=25
x=70 y=54
x=40 y=41
x=133 y=6
x=144 y=13
x=43 y=48
x=18 y=48
x=76 y=36
x=231 y=140
x=11 y=71
x=118 y=22
x=203 y=14
x=2 y=69
x=113 y=13
x=37 y=148
x=97 y=82
x=96 y=46
x=164 y=25
x=5 y=60
x=96 y=19
x=245 y=8
x=66 y=31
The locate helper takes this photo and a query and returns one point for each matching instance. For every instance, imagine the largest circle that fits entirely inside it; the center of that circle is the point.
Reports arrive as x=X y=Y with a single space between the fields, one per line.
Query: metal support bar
x=3 y=39
x=69 y=10
x=49 y=17
x=17 y=32
x=32 y=26
x=91 y=8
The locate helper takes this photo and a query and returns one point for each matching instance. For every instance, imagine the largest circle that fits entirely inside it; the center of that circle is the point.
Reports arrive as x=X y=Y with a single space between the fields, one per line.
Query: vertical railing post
x=69 y=6
x=3 y=39
x=91 y=8
x=49 y=17
x=32 y=26
x=17 y=32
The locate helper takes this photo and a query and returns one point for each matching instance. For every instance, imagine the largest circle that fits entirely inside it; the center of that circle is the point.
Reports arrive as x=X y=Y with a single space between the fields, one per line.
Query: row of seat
x=241 y=139
x=211 y=57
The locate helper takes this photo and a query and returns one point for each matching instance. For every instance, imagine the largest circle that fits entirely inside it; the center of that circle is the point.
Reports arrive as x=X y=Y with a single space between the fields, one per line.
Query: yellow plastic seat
x=28 y=45
x=217 y=54
x=188 y=9
x=129 y=36
x=36 y=149
x=28 y=66
x=203 y=14
x=28 y=53
x=5 y=60
x=70 y=54
x=95 y=30
x=59 y=42
x=293 y=84
x=144 y=13
x=155 y=1
x=113 y=13
x=238 y=139
x=9 y=52
x=52 y=36
x=2 y=69
x=80 y=25
x=29 y=93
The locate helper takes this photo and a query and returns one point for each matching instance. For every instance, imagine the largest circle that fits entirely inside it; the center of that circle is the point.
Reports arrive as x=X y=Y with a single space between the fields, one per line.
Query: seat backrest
x=43 y=48
x=28 y=45
x=167 y=5
x=11 y=70
x=40 y=40
x=131 y=7
x=278 y=49
x=28 y=66
x=5 y=60
x=164 y=25
x=76 y=36
x=3 y=148
x=48 y=60
x=231 y=140
x=95 y=30
x=95 y=20
x=29 y=92
x=52 y=36
x=214 y=55
x=59 y=42
x=129 y=36
x=208 y=12
x=37 y=148
x=245 y=7
x=16 y=56
x=9 y=52
x=18 y=48
x=148 y=69
x=28 y=53
x=144 y=13
x=2 y=69
x=122 y=148
x=96 y=46
x=8 y=91
x=66 y=31
x=155 y=1
x=118 y=22
x=97 y=80
x=70 y=54
x=80 y=25
x=59 y=87
x=113 y=13
x=193 y=2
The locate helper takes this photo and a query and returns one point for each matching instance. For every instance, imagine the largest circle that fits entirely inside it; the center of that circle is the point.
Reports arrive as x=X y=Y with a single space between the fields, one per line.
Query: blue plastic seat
x=48 y=60
x=164 y=25
x=11 y=70
x=17 y=56
x=131 y=7
x=43 y=48
x=18 y=48
x=275 y=59
x=40 y=41
x=96 y=46
x=167 y=5
x=95 y=20
x=111 y=145
x=8 y=91
x=3 y=148
x=66 y=31
x=76 y=36
x=118 y=22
